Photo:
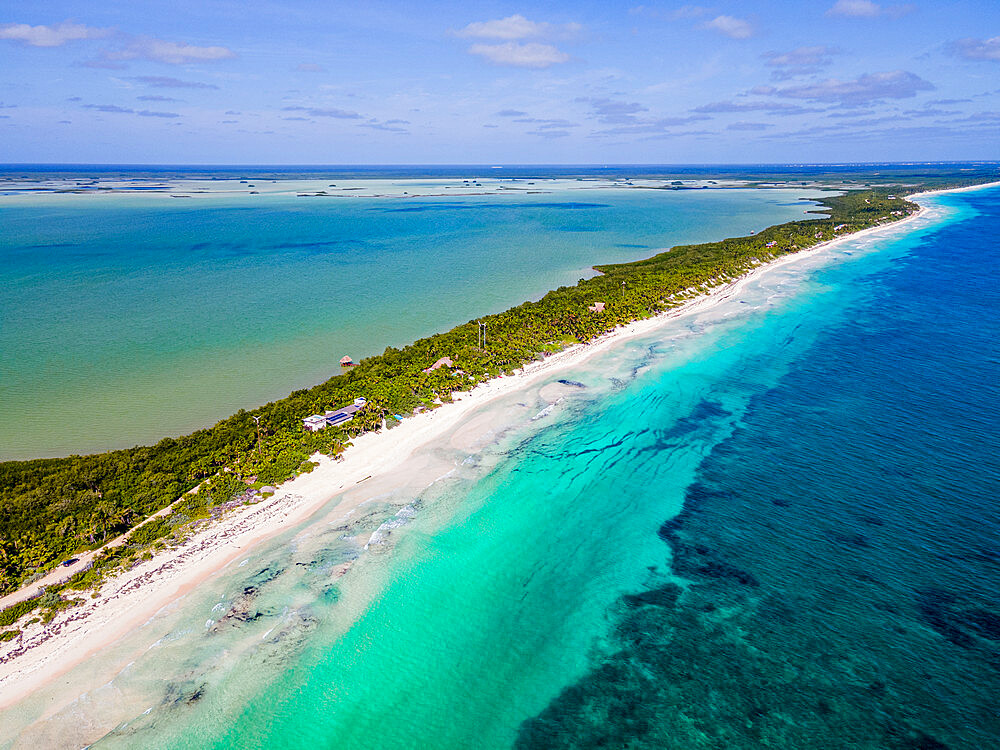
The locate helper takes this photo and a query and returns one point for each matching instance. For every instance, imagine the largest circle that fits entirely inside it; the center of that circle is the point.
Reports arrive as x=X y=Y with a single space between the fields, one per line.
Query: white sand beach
x=336 y=487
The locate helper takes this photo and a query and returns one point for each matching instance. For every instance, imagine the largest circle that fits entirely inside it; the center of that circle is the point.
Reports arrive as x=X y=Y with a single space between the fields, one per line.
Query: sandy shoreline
x=43 y=653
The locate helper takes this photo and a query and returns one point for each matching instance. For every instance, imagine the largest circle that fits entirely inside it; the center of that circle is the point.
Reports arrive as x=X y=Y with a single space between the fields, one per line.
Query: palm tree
x=67 y=526
x=124 y=517
x=99 y=518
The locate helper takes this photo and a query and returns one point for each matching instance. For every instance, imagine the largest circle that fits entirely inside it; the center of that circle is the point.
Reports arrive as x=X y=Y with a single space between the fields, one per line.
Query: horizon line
x=410 y=165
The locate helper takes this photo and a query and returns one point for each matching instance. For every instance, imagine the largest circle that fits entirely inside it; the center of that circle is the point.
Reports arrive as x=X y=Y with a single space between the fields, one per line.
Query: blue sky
x=326 y=82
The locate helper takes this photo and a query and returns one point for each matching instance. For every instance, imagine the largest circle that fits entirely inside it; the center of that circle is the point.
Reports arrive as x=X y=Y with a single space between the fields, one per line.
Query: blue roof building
x=333 y=418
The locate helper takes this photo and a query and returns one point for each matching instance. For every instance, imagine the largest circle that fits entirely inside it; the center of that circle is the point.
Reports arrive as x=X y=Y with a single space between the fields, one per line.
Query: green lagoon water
x=125 y=318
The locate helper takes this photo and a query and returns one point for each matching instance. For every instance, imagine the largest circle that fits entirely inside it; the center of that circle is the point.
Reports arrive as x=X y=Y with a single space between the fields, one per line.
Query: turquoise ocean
x=133 y=316
x=772 y=524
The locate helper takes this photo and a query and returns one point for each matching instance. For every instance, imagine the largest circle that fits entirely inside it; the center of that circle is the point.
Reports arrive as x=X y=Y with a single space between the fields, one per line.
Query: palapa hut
x=443 y=362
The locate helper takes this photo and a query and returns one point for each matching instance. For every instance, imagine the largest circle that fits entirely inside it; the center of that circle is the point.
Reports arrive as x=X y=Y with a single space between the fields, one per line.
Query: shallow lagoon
x=126 y=318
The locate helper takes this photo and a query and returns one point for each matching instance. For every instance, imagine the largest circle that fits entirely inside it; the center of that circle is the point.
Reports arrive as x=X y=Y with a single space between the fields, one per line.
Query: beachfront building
x=596 y=307
x=314 y=423
x=345 y=414
x=333 y=418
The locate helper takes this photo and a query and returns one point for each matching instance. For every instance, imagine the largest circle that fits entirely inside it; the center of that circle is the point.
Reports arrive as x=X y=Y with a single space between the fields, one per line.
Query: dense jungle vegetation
x=52 y=509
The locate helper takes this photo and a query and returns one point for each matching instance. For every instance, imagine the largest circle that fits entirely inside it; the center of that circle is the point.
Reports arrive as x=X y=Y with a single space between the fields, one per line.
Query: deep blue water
x=842 y=547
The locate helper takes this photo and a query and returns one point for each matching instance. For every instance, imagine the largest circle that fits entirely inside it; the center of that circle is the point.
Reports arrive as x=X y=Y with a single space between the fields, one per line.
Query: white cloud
x=172 y=53
x=689 y=11
x=109 y=108
x=772 y=108
x=654 y=127
x=855 y=9
x=800 y=57
x=165 y=82
x=135 y=47
x=612 y=111
x=339 y=114
x=530 y=55
x=685 y=12
x=799 y=61
x=896 y=84
x=977 y=49
x=50 y=36
x=514 y=52
x=512 y=27
x=866 y=9
x=736 y=28
x=518 y=27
